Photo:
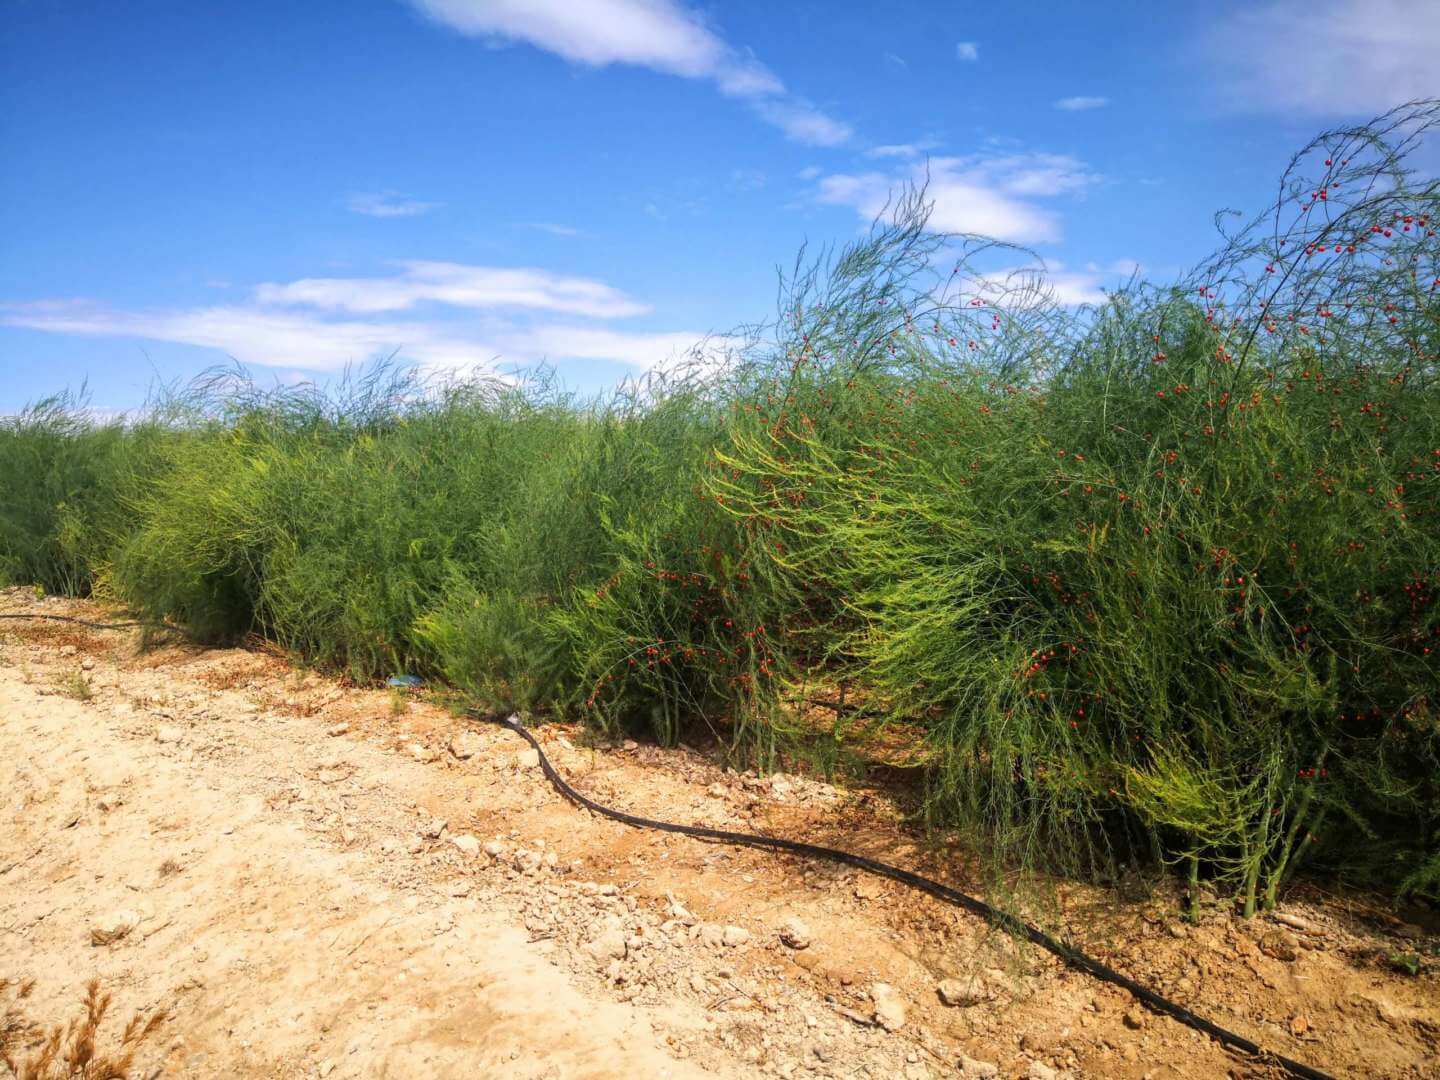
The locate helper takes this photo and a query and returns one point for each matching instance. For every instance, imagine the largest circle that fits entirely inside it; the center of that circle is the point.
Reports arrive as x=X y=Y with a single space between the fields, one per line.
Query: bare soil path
x=314 y=882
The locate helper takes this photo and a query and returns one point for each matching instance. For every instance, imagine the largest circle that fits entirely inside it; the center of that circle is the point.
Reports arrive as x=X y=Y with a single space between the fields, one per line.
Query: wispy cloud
x=645 y=351
x=388 y=204
x=1054 y=282
x=1081 y=103
x=968 y=51
x=802 y=122
x=1325 y=57
x=988 y=195
x=747 y=179
x=902 y=150
x=550 y=227
x=254 y=335
x=265 y=337
x=663 y=35
x=437 y=315
x=896 y=61
x=455 y=285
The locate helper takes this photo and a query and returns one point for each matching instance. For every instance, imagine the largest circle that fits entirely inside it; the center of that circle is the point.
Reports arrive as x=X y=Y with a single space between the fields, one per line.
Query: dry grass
x=69 y=1051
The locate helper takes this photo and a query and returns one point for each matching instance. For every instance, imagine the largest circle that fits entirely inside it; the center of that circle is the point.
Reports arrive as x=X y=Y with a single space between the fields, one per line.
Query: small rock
x=432 y=829
x=87 y=664
x=1178 y=930
x=333 y=732
x=1280 y=944
x=168 y=733
x=1299 y=1025
x=717 y=791
x=794 y=933
x=957 y=994
x=494 y=848
x=467 y=844
x=326 y=1067
x=68 y=650
x=1295 y=922
x=735 y=936
x=1038 y=1070
x=113 y=927
x=1134 y=1019
x=464 y=745
x=460 y=887
x=985 y=1070
x=889 y=1006
x=526 y=759
x=709 y=934
x=422 y=753
x=630 y=744
x=608 y=945
x=679 y=912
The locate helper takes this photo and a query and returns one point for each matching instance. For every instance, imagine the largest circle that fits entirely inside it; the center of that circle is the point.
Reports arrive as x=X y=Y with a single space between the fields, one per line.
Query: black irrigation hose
x=1071 y=955
x=80 y=622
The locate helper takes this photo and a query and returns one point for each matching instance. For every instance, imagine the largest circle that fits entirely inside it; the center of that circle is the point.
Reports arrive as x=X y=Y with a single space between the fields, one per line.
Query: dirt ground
x=313 y=881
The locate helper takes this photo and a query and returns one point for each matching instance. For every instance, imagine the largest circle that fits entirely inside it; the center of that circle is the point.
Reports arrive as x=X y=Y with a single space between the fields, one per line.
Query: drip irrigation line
x=1068 y=953
x=79 y=622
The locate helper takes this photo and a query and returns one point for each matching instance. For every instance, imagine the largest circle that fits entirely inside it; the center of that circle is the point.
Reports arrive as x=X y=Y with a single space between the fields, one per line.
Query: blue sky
x=597 y=184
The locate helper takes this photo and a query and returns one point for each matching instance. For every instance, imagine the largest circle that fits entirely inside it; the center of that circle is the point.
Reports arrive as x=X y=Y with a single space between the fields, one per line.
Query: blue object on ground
x=405 y=681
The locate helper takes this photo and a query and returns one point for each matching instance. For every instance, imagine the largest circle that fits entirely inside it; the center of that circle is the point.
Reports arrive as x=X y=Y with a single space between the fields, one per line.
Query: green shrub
x=1156 y=579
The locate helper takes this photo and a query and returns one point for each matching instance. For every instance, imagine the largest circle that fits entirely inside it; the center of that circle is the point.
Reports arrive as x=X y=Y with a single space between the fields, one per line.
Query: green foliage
x=1158 y=578
x=62 y=480
x=75 y=684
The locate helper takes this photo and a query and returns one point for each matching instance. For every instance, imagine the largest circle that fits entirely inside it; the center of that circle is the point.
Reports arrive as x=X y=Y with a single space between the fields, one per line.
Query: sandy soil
x=311 y=881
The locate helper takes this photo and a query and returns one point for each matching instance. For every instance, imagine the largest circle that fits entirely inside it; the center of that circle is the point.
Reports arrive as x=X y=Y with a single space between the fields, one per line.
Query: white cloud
x=986 y=195
x=967 y=50
x=550 y=227
x=1027 y=286
x=802 y=122
x=902 y=150
x=1326 y=57
x=475 y=316
x=895 y=60
x=255 y=336
x=388 y=204
x=286 y=339
x=663 y=35
x=1081 y=102
x=646 y=351
x=456 y=285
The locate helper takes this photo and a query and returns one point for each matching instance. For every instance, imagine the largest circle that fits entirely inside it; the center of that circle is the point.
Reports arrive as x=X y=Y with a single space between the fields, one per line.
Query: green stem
x=1193 y=900
x=1279 y=871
